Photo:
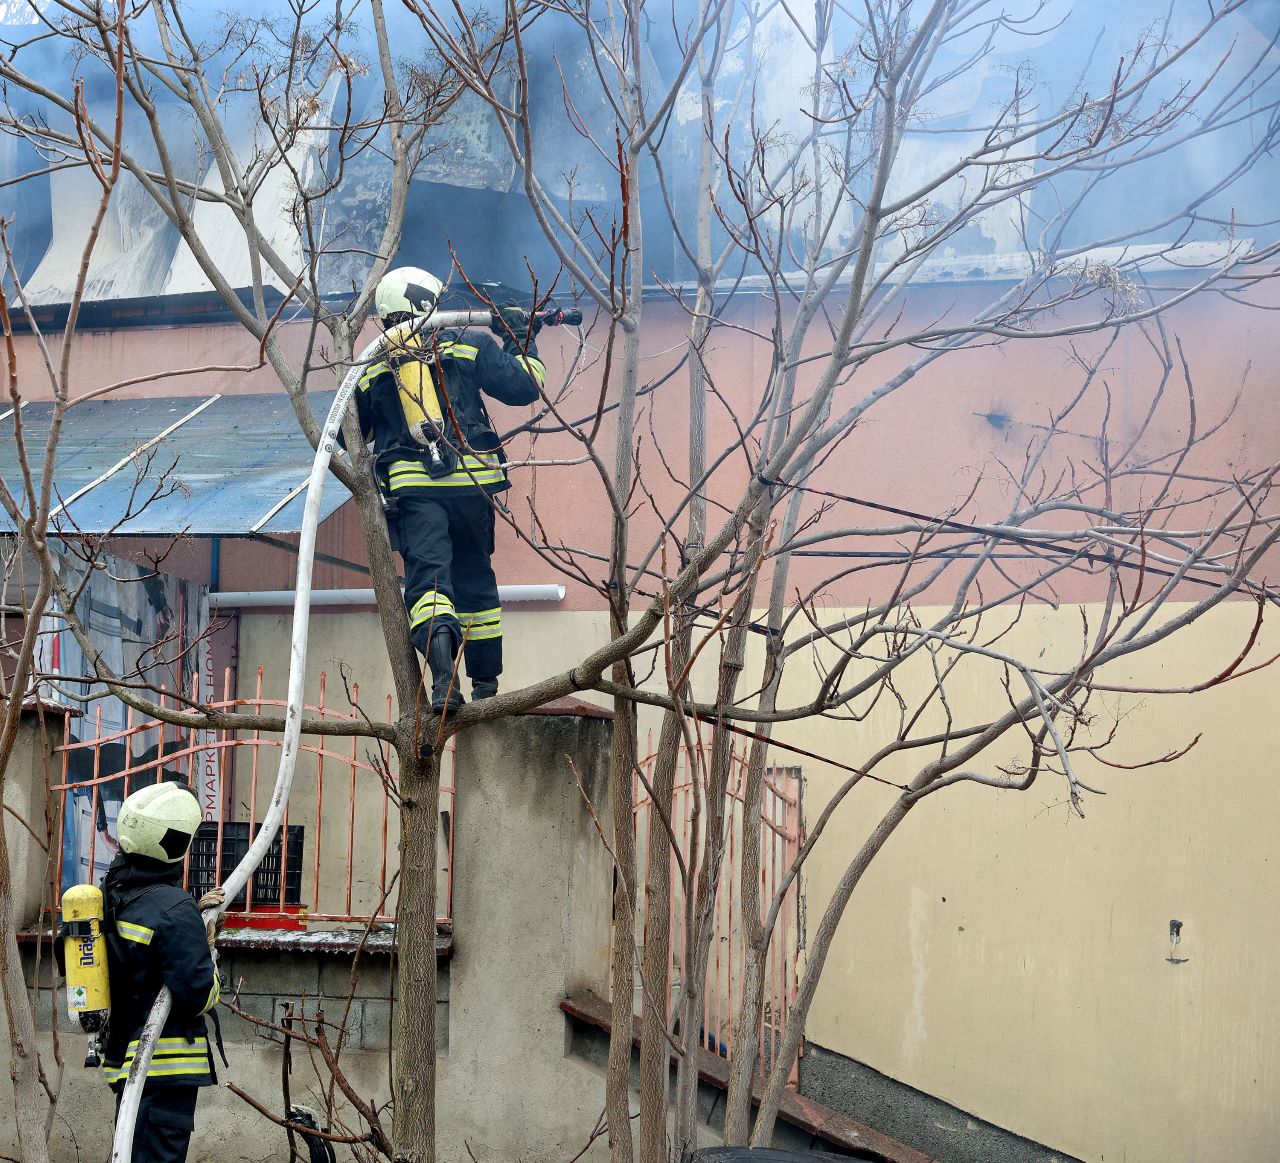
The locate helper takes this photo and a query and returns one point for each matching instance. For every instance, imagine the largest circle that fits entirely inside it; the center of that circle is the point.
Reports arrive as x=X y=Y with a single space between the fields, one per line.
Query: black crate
x=235 y=843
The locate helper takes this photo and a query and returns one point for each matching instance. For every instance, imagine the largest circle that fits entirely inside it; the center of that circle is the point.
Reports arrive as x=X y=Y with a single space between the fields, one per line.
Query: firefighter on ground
x=439 y=465
x=156 y=937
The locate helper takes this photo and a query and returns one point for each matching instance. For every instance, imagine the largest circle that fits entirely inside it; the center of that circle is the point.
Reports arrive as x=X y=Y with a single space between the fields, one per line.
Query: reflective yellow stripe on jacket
x=173 y=1058
x=215 y=995
x=535 y=367
x=474 y=471
x=137 y=933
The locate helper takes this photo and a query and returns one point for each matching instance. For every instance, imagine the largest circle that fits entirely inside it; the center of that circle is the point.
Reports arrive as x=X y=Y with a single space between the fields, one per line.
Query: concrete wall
x=355 y=994
x=532 y=903
x=24 y=794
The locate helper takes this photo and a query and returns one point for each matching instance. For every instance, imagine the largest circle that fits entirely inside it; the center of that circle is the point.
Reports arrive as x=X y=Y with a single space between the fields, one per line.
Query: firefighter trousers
x=166 y=1118
x=447 y=543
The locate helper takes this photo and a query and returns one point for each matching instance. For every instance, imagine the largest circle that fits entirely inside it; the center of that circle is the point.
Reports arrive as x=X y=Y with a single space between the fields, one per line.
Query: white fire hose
x=127 y=1116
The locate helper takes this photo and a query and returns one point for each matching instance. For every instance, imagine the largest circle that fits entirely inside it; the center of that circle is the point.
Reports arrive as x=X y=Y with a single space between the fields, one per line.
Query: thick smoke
x=468 y=203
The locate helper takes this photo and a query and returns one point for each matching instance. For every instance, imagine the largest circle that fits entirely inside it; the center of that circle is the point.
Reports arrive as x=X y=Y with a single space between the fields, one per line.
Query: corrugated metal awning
x=211 y=466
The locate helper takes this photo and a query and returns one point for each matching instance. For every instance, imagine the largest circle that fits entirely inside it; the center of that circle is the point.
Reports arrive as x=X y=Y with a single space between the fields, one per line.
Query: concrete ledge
x=907 y=1113
x=341 y=941
x=381 y=941
x=571 y=705
x=821 y=1122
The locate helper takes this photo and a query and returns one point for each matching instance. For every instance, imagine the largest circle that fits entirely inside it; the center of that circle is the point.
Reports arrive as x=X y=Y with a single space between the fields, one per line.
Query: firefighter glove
x=515 y=323
x=213 y=899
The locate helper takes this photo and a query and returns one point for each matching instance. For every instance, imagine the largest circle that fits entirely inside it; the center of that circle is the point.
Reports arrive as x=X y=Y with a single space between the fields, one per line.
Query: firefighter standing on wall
x=438 y=464
x=156 y=937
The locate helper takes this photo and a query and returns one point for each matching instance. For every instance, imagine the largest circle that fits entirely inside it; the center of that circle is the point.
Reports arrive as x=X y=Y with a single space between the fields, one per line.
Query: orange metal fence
x=781 y=834
x=336 y=860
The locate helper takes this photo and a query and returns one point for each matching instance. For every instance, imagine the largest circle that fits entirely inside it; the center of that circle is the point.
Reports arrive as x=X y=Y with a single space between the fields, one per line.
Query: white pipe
x=274 y=599
x=127 y=1115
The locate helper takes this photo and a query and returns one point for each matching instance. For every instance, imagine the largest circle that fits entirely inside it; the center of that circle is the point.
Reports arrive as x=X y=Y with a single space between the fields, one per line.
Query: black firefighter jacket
x=156 y=937
x=466 y=364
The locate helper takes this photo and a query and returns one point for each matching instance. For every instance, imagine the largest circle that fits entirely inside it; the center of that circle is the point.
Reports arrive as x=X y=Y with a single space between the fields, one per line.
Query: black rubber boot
x=483 y=688
x=442 y=654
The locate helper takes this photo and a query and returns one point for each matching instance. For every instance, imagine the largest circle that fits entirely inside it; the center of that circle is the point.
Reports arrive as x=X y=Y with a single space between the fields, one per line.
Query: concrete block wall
x=264 y=982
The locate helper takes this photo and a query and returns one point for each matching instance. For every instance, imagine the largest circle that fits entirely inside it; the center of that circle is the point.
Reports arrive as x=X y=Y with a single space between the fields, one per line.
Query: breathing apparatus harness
x=413 y=349
x=155 y=828
x=81 y=952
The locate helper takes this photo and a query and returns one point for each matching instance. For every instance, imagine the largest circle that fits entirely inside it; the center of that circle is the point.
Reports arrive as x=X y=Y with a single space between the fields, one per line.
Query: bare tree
x=830 y=215
x=833 y=214
x=176 y=79
x=28 y=502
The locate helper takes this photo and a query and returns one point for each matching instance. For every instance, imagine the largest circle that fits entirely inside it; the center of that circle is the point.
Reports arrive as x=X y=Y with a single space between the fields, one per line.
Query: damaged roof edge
x=1189 y=260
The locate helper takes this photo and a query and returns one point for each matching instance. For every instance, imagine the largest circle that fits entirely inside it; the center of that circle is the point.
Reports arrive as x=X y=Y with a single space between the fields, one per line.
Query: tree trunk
x=655 y=1053
x=24 y=1063
x=744 y=1048
x=415 y=1044
x=622 y=967
x=622 y=766
x=696 y=958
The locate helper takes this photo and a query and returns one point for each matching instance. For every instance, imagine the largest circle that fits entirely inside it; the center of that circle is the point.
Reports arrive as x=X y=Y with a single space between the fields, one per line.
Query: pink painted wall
x=926 y=449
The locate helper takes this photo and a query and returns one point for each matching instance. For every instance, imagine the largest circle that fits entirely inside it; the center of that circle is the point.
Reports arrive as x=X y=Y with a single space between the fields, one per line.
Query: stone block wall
x=265 y=981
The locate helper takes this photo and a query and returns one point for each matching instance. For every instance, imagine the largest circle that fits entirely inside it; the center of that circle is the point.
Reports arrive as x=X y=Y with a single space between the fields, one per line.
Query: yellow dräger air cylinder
x=419 y=400
x=85 y=950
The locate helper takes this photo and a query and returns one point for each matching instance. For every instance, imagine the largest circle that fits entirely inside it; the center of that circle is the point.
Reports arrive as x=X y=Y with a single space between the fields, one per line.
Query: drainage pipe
x=131 y=1098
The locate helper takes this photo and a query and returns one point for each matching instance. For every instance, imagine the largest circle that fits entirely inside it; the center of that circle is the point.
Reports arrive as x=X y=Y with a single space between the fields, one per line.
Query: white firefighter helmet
x=406 y=293
x=158 y=821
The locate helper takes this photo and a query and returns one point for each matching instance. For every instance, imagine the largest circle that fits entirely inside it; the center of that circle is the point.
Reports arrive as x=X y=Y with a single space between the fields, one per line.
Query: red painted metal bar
x=781 y=826
x=317 y=844
x=364 y=781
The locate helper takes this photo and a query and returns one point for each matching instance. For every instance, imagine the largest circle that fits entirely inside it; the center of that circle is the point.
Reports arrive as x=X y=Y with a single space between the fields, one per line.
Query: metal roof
x=206 y=466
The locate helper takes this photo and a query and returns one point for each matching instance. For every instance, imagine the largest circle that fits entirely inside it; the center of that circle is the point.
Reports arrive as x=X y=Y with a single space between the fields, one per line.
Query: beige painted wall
x=1011 y=959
